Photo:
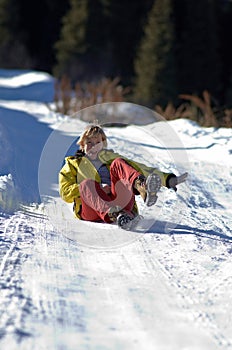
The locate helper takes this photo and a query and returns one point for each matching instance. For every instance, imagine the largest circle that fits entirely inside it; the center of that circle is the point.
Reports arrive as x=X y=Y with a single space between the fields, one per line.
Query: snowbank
x=22 y=136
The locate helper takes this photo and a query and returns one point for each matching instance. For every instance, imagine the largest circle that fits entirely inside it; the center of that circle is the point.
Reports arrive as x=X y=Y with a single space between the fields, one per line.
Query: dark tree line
x=159 y=47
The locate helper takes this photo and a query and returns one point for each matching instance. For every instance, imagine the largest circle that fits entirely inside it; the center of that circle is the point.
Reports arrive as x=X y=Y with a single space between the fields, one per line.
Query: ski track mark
x=15 y=240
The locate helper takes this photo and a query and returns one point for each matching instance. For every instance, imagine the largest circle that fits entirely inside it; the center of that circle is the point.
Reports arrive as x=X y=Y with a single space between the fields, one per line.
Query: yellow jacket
x=78 y=168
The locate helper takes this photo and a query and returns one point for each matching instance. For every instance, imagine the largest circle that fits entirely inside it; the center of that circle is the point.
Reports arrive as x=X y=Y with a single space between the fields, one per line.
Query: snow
x=66 y=284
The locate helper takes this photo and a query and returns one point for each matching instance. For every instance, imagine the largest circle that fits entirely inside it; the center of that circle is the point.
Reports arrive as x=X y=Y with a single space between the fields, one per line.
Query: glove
x=174 y=181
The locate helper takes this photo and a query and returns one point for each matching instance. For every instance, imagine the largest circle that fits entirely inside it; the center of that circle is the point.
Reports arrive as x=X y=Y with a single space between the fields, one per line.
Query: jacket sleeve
x=68 y=187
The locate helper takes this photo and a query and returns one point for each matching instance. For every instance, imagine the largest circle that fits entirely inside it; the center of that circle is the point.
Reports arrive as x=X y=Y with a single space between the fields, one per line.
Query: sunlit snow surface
x=167 y=286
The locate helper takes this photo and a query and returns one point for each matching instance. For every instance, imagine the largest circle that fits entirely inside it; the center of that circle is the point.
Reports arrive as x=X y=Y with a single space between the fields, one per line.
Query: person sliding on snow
x=103 y=184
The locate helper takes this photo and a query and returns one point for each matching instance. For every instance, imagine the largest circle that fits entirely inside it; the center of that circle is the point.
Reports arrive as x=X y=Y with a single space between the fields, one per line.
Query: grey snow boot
x=128 y=221
x=148 y=188
x=124 y=219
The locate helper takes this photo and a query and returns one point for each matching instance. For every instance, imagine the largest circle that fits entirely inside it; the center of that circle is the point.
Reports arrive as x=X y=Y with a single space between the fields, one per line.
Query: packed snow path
x=164 y=291
x=169 y=288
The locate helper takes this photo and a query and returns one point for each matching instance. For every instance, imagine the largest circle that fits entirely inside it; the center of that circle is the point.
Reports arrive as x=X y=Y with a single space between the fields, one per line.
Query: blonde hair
x=92 y=130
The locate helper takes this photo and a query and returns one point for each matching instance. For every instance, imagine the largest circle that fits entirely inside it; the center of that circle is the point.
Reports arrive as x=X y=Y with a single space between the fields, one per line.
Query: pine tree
x=155 y=64
x=226 y=48
x=126 y=20
x=199 y=58
x=40 y=22
x=13 y=52
x=72 y=40
x=80 y=49
x=4 y=18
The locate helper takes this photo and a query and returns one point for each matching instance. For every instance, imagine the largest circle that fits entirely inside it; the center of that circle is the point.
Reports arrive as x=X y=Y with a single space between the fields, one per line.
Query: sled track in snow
x=16 y=241
x=12 y=295
x=162 y=286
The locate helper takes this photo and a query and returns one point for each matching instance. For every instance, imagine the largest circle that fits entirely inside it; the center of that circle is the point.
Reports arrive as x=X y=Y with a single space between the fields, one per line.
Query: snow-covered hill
x=166 y=287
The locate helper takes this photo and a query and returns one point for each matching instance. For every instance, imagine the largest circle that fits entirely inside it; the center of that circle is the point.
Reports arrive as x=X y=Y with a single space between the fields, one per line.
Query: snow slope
x=166 y=287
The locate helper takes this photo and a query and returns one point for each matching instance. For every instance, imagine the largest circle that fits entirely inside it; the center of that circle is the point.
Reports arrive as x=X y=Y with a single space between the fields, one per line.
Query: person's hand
x=174 y=181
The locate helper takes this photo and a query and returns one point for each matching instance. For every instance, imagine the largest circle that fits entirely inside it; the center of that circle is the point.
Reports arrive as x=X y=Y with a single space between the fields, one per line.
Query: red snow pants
x=96 y=203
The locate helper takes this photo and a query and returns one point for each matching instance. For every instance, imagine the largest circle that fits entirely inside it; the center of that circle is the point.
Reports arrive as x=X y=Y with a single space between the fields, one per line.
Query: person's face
x=93 y=145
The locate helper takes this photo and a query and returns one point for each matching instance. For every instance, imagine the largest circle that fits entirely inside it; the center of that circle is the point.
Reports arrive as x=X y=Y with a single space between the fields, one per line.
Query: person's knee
x=117 y=161
x=86 y=183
